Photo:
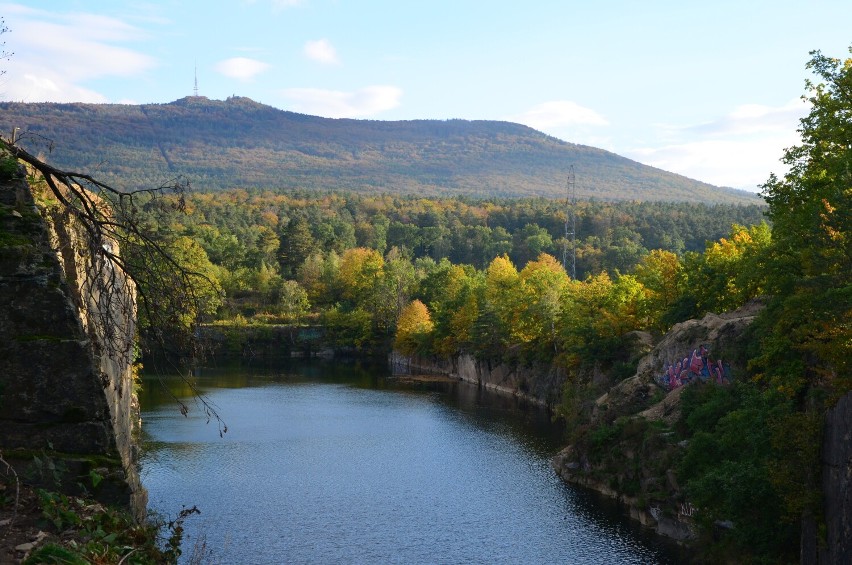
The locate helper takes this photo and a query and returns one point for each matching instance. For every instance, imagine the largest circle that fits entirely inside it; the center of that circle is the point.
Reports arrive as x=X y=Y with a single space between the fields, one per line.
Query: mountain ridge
x=240 y=143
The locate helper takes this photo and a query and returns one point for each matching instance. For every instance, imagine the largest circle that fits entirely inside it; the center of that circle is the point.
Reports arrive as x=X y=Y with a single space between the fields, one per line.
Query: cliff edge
x=68 y=411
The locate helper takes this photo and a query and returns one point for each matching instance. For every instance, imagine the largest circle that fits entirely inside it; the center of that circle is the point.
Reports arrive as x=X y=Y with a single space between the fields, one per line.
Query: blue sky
x=710 y=90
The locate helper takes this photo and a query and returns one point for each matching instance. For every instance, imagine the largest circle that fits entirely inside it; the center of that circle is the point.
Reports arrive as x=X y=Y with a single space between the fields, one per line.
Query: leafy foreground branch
x=44 y=527
x=113 y=220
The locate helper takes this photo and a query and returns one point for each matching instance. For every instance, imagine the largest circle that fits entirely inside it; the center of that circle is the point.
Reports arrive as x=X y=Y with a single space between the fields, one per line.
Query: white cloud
x=241 y=68
x=755 y=118
x=367 y=101
x=56 y=52
x=739 y=150
x=46 y=86
x=321 y=51
x=555 y=114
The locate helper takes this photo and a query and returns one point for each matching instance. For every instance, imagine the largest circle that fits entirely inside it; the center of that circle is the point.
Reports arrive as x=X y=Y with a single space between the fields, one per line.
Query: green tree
x=727 y=466
x=293 y=302
x=296 y=244
x=201 y=281
x=455 y=306
x=310 y=276
x=804 y=336
x=398 y=283
x=811 y=254
x=264 y=248
x=530 y=242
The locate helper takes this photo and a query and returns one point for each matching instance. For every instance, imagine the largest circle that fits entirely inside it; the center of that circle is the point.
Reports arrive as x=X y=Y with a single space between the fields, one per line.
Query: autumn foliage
x=413 y=328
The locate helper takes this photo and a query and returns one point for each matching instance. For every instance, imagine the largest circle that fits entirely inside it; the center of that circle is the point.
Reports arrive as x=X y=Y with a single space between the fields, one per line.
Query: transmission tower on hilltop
x=570 y=225
x=195 y=90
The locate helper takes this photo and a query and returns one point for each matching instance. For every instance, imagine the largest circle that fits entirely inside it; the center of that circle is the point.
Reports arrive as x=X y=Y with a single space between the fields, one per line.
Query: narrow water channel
x=340 y=463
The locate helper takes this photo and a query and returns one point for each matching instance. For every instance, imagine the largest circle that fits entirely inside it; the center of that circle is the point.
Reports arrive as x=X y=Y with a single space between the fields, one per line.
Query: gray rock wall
x=66 y=347
x=541 y=384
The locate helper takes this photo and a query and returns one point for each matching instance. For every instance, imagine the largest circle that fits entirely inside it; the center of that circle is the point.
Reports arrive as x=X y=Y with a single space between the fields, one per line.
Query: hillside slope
x=239 y=143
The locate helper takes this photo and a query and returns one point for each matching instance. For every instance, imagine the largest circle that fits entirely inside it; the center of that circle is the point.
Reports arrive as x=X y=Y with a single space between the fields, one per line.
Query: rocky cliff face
x=639 y=394
x=66 y=351
x=635 y=466
x=541 y=384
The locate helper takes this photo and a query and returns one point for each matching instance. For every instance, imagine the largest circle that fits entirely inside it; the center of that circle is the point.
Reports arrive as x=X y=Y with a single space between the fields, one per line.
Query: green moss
x=8 y=239
x=9 y=167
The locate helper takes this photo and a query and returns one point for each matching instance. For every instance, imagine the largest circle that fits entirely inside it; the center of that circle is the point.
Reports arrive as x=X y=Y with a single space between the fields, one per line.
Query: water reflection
x=326 y=462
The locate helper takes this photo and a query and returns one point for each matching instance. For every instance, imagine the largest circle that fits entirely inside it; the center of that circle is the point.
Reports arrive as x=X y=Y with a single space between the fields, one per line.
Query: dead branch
x=124 y=253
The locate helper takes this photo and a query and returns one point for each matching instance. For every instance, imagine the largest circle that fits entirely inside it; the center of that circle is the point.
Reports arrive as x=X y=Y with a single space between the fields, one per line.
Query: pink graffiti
x=696 y=366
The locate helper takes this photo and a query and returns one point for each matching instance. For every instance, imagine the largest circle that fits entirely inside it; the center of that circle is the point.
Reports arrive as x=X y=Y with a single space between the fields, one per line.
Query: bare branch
x=127 y=258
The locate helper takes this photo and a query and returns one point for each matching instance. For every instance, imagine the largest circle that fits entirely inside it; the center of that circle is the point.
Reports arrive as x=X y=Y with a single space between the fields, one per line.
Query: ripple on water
x=314 y=472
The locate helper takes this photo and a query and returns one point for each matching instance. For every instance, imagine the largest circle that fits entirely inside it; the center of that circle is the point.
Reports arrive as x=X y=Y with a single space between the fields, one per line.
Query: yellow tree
x=539 y=308
x=658 y=272
x=359 y=273
x=413 y=328
x=624 y=308
x=502 y=283
x=728 y=274
x=584 y=305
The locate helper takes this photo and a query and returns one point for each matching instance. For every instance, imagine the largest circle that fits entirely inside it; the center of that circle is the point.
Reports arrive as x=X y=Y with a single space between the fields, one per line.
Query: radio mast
x=570 y=225
x=195 y=90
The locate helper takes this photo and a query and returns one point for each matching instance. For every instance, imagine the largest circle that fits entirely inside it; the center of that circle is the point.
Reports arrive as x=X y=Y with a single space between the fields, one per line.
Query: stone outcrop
x=66 y=349
x=720 y=333
x=657 y=500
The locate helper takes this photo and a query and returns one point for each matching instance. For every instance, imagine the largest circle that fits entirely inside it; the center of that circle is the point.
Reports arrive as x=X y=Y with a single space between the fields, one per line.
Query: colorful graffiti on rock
x=695 y=367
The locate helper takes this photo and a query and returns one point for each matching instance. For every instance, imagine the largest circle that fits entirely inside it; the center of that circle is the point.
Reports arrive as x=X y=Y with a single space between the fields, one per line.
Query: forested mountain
x=239 y=143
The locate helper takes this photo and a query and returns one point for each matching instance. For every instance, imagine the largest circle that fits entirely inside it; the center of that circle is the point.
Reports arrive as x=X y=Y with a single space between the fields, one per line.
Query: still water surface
x=338 y=463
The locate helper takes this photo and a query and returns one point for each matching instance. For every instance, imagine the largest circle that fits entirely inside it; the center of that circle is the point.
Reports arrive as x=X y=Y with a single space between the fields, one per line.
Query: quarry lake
x=335 y=462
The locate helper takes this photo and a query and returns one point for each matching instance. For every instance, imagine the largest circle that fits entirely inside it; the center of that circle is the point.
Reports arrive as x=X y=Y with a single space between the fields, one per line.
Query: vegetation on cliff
x=44 y=526
x=71 y=304
x=750 y=465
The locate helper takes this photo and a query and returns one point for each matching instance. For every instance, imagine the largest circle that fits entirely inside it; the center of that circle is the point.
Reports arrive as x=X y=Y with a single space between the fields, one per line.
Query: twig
x=9 y=469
